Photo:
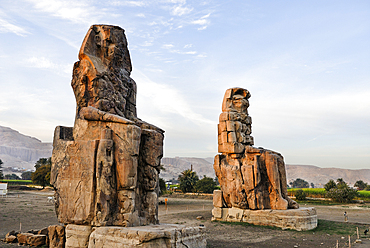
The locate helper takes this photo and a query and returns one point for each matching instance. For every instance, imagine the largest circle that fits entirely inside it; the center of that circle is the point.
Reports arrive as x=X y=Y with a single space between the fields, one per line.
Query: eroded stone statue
x=105 y=169
x=250 y=177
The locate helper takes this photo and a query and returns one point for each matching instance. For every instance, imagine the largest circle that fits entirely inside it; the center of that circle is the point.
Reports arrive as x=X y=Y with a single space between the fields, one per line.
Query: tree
x=1 y=171
x=43 y=161
x=342 y=195
x=341 y=184
x=300 y=195
x=12 y=177
x=300 y=183
x=361 y=185
x=42 y=174
x=188 y=179
x=162 y=186
x=312 y=185
x=205 y=185
x=330 y=185
x=26 y=175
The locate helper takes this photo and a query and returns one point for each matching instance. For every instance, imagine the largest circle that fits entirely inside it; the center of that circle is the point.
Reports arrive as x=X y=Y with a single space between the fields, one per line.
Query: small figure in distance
x=345 y=217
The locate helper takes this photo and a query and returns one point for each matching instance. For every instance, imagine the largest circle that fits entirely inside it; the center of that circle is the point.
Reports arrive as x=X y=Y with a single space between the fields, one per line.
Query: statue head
x=236 y=100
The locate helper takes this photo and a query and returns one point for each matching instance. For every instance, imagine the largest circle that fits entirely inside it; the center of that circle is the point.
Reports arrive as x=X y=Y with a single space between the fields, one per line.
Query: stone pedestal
x=164 y=235
x=301 y=219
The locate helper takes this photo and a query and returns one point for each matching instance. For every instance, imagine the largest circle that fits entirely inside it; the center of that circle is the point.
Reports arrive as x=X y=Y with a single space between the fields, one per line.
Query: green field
x=16 y=182
x=320 y=193
x=311 y=192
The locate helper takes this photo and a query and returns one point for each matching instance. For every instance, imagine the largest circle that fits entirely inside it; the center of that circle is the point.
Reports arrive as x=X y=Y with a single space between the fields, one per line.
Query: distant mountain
x=312 y=174
x=174 y=167
x=320 y=176
x=19 y=150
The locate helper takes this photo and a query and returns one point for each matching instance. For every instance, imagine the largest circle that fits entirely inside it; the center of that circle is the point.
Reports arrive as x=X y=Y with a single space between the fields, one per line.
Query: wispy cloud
x=166 y=99
x=180 y=10
x=74 y=11
x=7 y=27
x=203 y=22
x=128 y=3
x=44 y=63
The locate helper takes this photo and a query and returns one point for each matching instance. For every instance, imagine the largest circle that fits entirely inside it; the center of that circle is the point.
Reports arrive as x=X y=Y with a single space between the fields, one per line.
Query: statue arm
x=94 y=114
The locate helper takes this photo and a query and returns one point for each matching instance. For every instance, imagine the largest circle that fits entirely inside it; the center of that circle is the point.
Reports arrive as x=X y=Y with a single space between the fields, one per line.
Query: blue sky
x=306 y=64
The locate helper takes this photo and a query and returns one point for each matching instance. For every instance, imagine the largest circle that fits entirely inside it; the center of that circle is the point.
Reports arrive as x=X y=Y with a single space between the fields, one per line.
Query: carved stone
x=250 y=178
x=105 y=169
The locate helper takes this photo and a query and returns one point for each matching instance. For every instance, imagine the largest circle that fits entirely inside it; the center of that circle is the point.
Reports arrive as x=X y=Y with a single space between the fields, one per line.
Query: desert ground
x=30 y=209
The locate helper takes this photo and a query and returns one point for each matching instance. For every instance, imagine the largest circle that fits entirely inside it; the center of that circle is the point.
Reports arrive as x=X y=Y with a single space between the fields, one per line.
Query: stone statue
x=250 y=177
x=105 y=169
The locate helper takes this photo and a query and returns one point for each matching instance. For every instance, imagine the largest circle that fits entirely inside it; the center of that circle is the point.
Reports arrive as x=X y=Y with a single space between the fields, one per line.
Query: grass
x=320 y=193
x=364 y=194
x=323 y=227
x=339 y=228
x=16 y=182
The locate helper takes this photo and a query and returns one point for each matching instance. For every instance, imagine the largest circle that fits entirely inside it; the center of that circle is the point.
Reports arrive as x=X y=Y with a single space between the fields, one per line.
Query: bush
x=343 y=195
x=300 y=183
x=300 y=195
x=205 y=185
x=188 y=179
x=330 y=185
x=162 y=186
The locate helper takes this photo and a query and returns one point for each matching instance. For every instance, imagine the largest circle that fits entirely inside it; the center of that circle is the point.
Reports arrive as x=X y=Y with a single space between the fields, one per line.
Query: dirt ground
x=31 y=210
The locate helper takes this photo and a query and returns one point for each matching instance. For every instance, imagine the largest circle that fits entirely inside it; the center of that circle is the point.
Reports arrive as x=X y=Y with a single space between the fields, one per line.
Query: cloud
x=74 y=11
x=7 y=27
x=180 y=10
x=44 y=63
x=203 y=22
x=167 y=46
x=128 y=3
x=165 y=99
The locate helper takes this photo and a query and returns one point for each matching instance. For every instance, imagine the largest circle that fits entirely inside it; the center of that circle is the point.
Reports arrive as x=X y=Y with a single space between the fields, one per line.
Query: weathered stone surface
x=250 y=178
x=23 y=237
x=105 y=169
x=77 y=236
x=11 y=239
x=36 y=240
x=56 y=236
x=301 y=219
x=171 y=236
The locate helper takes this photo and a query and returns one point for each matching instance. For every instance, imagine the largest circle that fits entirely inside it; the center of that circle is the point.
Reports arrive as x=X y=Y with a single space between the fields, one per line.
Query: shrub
x=330 y=185
x=205 y=185
x=300 y=195
x=343 y=195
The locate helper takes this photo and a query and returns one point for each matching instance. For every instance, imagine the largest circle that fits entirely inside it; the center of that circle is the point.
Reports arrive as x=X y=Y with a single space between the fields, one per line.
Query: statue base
x=301 y=219
x=163 y=235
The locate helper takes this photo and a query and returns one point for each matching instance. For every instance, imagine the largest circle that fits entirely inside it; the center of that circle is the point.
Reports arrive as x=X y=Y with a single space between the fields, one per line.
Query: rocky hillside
x=174 y=167
x=18 y=150
x=312 y=174
x=320 y=176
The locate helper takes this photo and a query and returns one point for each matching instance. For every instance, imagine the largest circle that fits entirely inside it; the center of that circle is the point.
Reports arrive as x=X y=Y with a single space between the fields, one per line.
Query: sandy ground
x=31 y=210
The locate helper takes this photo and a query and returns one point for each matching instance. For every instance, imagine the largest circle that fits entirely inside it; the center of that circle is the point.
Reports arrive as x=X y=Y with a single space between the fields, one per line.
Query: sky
x=306 y=64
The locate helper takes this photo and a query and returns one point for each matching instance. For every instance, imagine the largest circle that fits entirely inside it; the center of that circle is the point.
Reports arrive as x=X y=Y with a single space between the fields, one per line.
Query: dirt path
x=32 y=209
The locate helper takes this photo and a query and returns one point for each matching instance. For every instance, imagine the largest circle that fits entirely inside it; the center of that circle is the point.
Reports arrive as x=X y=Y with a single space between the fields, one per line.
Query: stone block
x=77 y=236
x=22 y=238
x=230 y=126
x=11 y=239
x=37 y=240
x=222 y=126
x=231 y=137
x=216 y=213
x=164 y=235
x=224 y=116
x=217 y=199
x=57 y=236
x=301 y=219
